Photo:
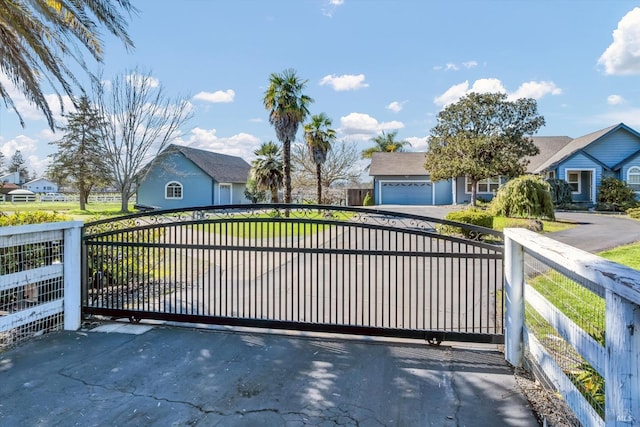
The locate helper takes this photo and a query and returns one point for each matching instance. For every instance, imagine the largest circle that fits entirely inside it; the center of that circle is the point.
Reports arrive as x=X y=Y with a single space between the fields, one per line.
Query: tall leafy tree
x=267 y=170
x=17 y=163
x=319 y=137
x=385 y=143
x=142 y=121
x=38 y=36
x=483 y=136
x=80 y=156
x=288 y=107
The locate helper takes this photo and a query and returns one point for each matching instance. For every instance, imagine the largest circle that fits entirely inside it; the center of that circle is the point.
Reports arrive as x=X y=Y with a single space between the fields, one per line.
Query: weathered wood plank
x=38 y=228
x=589 y=348
x=514 y=299
x=35 y=275
x=38 y=312
x=10 y=241
x=622 y=391
x=585 y=413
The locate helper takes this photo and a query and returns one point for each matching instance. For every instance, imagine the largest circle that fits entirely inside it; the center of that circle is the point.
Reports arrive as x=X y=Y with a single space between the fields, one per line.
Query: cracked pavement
x=171 y=376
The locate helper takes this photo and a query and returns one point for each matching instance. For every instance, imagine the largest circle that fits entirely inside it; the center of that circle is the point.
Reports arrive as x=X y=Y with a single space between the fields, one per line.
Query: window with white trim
x=573 y=178
x=173 y=190
x=485 y=186
x=633 y=178
x=550 y=174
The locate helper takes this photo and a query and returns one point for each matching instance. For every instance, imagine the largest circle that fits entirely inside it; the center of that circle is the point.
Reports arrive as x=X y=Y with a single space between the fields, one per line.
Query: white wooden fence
x=39 y=279
x=618 y=361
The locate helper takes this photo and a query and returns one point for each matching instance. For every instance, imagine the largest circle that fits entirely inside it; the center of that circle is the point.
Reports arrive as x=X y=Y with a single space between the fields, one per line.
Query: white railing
x=39 y=280
x=617 y=361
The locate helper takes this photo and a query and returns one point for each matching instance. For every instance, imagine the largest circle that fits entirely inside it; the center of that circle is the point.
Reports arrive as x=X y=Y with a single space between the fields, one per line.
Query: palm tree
x=319 y=137
x=38 y=35
x=288 y=107
x=266 y=169
x=385 y=143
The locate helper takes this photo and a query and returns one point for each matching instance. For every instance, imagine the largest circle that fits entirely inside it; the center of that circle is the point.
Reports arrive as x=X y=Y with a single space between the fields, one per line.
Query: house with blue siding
x=183 y=177
x=400 y=178
x=583 y=162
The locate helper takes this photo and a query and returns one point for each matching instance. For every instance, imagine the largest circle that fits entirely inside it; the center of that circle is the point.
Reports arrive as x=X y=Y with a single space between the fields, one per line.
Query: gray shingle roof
x=221 y=167
x=402 y=163
x=549 y=146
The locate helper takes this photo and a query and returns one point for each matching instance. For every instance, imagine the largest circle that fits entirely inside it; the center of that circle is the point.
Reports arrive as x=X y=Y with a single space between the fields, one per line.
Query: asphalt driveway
x=164 y=376
x=597 y=232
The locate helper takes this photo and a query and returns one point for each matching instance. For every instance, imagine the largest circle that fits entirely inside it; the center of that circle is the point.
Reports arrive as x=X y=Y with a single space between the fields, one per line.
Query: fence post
x=72 y=263
x=514 y=299
x=622 y=380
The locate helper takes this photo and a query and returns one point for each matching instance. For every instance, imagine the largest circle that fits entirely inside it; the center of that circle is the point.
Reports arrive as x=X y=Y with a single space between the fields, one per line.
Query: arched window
x=633 y=177
x=173 y=190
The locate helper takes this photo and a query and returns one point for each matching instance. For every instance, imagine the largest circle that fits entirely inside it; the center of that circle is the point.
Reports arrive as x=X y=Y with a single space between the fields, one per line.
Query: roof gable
x=220 y=167
x=581 y=143
x=398 y=163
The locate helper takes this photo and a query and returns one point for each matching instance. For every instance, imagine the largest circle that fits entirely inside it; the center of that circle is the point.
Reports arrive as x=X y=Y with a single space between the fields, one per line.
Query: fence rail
x=39 y=280
x=575 y=316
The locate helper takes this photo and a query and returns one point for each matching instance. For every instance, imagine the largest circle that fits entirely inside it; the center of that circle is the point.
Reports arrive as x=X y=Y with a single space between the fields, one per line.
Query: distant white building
x=11 y=178
x=41 y=185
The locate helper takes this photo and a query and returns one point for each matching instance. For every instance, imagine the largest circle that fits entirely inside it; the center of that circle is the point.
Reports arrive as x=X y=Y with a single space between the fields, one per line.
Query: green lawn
x=500 y=223
x=278 y=226
x=70 y=209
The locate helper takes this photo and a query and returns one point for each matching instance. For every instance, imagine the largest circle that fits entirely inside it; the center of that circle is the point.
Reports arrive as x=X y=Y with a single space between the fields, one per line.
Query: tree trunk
x=274 y=195
x=83 y=197
x=319 y=175
x=286 y=169
x=474 y=190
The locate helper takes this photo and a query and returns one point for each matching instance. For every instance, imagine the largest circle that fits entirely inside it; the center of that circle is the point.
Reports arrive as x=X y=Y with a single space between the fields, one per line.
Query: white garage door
x=406 y=193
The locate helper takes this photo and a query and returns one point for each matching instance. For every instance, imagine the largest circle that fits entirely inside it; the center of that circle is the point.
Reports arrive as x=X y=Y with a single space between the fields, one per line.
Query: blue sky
x=371 y=65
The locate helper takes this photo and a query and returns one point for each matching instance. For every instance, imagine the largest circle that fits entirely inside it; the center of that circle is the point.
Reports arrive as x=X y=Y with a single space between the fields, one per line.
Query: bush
x=468 y=216
x=615 y=195
x=634 y=213
x=36 y=217
x=527 y=196
x=368 y=200
x=560 y=192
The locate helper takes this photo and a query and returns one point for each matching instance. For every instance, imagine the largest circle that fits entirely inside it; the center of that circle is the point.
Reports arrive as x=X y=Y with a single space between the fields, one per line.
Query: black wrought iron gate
x=320 y=268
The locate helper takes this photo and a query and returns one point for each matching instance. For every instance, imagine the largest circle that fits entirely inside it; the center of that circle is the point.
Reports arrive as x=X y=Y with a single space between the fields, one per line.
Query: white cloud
x=344 y=82
x=330 y=6
x=530 y=89
x=218 y=96
x=29 y=111
x=487 y=86
x=136 y=79
x=622 y=57
x=396 y=106
x=35 y=161
x=535 y=90
x=615 y=100
x=417 y=143
x=629 y=117
x=241 y=145
x=362 y=126
x=450 y=66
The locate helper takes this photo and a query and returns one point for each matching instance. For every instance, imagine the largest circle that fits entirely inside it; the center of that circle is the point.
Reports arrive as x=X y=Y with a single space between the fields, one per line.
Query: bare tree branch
x=142 y=121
